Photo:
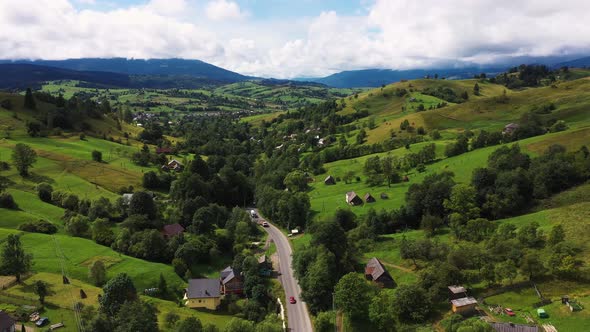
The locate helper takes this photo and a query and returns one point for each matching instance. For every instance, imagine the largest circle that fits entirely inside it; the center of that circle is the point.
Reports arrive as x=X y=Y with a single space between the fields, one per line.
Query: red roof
x=172 y=230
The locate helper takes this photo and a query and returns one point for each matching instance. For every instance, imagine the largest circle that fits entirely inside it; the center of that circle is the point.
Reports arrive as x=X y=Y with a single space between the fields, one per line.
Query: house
x=369 y=198
x=264 y=266
x=510 y=128
x=353 y=199
x=203 y=293
x=376 y=272
x=457 y=292
x=329 y=180
x=173 y=165
x=128 y=196
x=164 y=150
x=172 y=230
x=511 y=327
x=464 y=305
x=6 y=322
x=231 y=281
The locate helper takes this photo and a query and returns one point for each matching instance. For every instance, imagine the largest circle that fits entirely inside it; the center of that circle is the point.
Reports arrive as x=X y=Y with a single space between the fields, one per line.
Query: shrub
x=7 y=202
x=39 y=226
x=97 y=156
x=44 y=191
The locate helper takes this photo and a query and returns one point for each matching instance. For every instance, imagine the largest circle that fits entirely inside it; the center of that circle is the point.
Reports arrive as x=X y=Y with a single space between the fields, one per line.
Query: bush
x=44 y=191
x=97 y=156
x=39 y=226
x=7 y=202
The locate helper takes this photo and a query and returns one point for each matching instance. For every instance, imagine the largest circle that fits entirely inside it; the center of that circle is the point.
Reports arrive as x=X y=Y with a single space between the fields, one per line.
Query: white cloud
x=388 y=34
x=218 y=10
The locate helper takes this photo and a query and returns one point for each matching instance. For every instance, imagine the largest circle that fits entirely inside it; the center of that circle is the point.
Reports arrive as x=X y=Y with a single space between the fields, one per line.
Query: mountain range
x=182 y=73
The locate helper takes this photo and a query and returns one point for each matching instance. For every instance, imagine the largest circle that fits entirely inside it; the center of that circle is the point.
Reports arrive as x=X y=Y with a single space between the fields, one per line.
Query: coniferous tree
x=30 y=100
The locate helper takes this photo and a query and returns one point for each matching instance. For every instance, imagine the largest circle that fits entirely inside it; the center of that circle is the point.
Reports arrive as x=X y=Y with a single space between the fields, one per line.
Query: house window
x=200 y=301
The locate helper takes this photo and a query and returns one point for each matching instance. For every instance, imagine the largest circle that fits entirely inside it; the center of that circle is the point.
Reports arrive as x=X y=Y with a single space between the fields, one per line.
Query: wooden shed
x=369 y=198
x=464 y=305
x=329 y=180
x=353 y=199
x=457 y=292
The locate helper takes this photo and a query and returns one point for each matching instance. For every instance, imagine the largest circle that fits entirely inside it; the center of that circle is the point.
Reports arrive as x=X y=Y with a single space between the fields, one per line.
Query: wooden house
x=172 y=230
x=457 y=292
x=369 y=198
x=353 y=199
x=510 y=128
x=464 y=305
x=6 y=322
x=329 y=180
x=376 y=272
x=231 y=281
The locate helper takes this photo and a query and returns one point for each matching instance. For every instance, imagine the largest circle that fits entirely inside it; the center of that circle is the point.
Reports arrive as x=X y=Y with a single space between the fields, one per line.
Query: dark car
x=42 y=321
x=292 y=300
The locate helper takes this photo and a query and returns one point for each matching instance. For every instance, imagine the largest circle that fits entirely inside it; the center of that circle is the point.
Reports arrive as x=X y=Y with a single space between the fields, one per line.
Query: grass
x=78 y=252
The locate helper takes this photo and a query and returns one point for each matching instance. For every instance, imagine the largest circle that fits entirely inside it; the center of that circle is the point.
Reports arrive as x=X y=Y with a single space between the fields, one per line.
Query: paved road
x=297 y=313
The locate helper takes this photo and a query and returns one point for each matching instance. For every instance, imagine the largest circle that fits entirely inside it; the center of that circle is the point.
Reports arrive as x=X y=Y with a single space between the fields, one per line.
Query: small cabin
x=329 y=180
x=376 y=272
x=510 y=128
x=457 y=292
x=353 y=199
x=464 y=306
x=369 y=198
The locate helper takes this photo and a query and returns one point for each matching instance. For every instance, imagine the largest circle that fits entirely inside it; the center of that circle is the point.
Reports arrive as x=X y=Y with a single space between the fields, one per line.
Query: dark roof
x=368 y=197
x=457 y=289
x=228 y=274
x=6 y=322
x=464 y=301
x=376 y=269
x=352 y=196
x=512 y=125
x=203 y=288
x=511 y=327
x=329 y=179
x=173 y=229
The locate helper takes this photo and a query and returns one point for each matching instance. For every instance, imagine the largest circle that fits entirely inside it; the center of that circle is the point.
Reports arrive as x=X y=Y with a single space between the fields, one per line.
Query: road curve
x=297 y=314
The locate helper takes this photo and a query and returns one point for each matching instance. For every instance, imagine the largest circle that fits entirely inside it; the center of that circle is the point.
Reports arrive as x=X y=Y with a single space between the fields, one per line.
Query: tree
x=15 y=261
x=239 y=325
x=345 y=218
x=29 y=100
x=44 y=191
x=78 y=226
x=117 y=291
x=430 y=224
x=324 y=321
x=361 y=136
x=476 y=89
x=142 y=203
x=23 y=157
x=162 y=286
x=411 y=303
x=190 y=324
x=352 y=295
x=381 y=311
x=102 y=232
x=531 y=265
x=41 y=288
x=97 y=273
x=296 y=181
x=557 y=235
x=136 y=316
x=171 y=319
x=97 y=156
x=506 y=270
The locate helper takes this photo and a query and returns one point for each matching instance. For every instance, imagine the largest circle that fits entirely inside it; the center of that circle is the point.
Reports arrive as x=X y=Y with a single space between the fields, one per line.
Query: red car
x=292 y=300
x=509 y=312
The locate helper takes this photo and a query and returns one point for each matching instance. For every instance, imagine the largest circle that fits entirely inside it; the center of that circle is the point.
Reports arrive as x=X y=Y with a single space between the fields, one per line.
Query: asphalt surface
x=297 y=314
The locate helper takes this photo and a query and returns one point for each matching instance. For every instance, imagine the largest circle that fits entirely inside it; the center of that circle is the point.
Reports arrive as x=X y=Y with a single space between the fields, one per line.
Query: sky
x=296 y=38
